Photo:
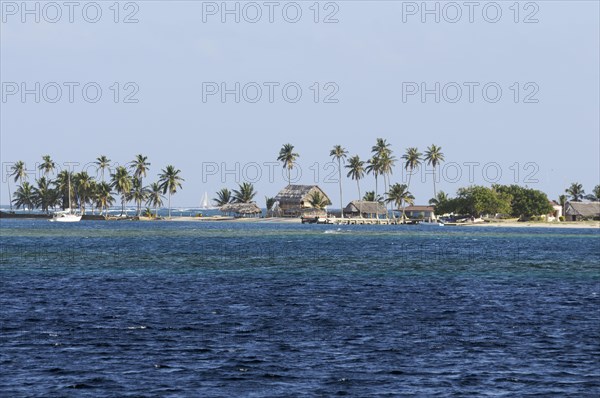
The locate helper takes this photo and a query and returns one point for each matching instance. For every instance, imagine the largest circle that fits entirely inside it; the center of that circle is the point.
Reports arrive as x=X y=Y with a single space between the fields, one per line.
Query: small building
x=294 y=201
x=420 y=212
x=556 y=213
x=364 y=209
x=242 y=210
x=577 y=211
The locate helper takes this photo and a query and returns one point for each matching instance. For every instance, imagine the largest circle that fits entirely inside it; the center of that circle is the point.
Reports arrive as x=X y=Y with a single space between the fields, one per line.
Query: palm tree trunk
x=404 y=203
x=385 y=183
x=434 y=190
x=360 y=206
x=340 y=182
x=122 y=204
x=9 y=195
x=376 y=215
x=169 y=204
x=139 y=205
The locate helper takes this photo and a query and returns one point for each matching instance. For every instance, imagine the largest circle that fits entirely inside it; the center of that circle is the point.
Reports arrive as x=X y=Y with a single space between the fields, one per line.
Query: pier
x=350 y=221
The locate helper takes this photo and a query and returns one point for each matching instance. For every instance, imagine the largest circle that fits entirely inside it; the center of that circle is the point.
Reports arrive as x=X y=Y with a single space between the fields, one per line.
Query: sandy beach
x=275 y=220
x=514 y=224
x=506 y=224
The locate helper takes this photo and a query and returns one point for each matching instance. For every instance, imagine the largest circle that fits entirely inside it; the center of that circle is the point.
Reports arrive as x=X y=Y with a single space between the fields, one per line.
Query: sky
x=510 y=93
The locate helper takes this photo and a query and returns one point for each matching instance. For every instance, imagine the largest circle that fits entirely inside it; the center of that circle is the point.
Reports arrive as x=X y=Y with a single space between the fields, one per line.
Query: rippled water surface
x=233 y=309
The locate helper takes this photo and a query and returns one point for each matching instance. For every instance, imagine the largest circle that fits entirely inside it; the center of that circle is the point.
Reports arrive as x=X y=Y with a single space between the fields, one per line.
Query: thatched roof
x=241 y=208
x=294 y=194
x=363 y=206
x=591 y=209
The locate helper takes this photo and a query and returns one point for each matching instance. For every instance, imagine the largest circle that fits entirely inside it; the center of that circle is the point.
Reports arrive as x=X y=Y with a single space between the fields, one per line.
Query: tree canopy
x=525 y=202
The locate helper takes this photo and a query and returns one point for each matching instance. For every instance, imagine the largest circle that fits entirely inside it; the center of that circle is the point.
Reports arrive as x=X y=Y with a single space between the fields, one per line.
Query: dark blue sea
x=217 y=309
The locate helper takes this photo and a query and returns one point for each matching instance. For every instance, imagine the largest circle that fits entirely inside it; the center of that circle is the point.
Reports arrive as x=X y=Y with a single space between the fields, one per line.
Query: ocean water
x=231 y=309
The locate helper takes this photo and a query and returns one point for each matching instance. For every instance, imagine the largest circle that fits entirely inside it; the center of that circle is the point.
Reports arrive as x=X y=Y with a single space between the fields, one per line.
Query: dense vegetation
x=84 y=190
x=510 y=200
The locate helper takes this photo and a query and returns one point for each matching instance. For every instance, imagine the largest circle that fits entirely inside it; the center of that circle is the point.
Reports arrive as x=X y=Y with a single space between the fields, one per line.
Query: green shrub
x=561 y=218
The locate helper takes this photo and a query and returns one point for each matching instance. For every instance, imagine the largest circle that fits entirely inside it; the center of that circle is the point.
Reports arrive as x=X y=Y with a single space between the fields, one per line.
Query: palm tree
x=562 y=201
x=104 y=197
x=338 y=153
x=103 y=163
x=434 y=157
x=121 y=182
x=318 y=200
x=441 y=197
x=139 y=166
x=62 y=187
x=269 y=203
x=244 y=194
x=387 y=161
x=223 y=197
x=374 y=167
x=170 y=180
x=83 y=184
x=412 y=160
x=155 y=197
x=24 y=196
x=356 y=171
x=44 y=196
x=383 y=161
x=371 y=196
x=19 y=171
x=381 y=147
x=379 y=150
x=94 y=196
x=47 y=165
x=288 y=157
x=576 y=192
x=399 y=195
x=138 y=194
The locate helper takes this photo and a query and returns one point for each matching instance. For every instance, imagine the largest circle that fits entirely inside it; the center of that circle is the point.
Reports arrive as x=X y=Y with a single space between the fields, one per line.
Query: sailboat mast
x=70 y=208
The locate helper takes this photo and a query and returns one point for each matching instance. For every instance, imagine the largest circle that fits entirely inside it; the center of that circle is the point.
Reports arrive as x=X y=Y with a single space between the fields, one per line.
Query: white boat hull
x=66 y=218
x=432 y=224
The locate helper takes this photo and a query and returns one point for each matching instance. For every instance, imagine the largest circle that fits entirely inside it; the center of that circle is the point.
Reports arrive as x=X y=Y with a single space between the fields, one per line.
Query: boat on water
x=205 y=205
x=431 y=223
x=67 y=215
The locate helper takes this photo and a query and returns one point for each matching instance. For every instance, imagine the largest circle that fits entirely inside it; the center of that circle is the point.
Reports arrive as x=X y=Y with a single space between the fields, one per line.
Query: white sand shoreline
x=569 y=225
x=280 y=220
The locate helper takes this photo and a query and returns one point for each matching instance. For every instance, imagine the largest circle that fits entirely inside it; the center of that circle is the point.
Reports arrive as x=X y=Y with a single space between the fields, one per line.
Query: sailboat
x=204 y=205
x=67 y=215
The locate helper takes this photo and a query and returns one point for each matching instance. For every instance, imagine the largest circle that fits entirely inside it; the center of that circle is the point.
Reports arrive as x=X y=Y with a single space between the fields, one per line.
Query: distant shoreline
x=564 y=224
x=282 y=220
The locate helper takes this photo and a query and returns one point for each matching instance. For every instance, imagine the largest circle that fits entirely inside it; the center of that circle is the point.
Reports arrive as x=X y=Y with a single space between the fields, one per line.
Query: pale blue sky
x=368 y=54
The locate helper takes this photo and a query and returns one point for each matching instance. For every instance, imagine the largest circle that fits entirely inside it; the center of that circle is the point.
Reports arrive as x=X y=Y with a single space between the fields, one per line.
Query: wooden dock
x=350 y=221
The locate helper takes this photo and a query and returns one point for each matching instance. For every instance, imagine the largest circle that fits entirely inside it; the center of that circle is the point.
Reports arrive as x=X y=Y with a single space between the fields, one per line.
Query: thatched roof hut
x=582 y=211
x=294 y=201
x=365 y=209
x=242 y=209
